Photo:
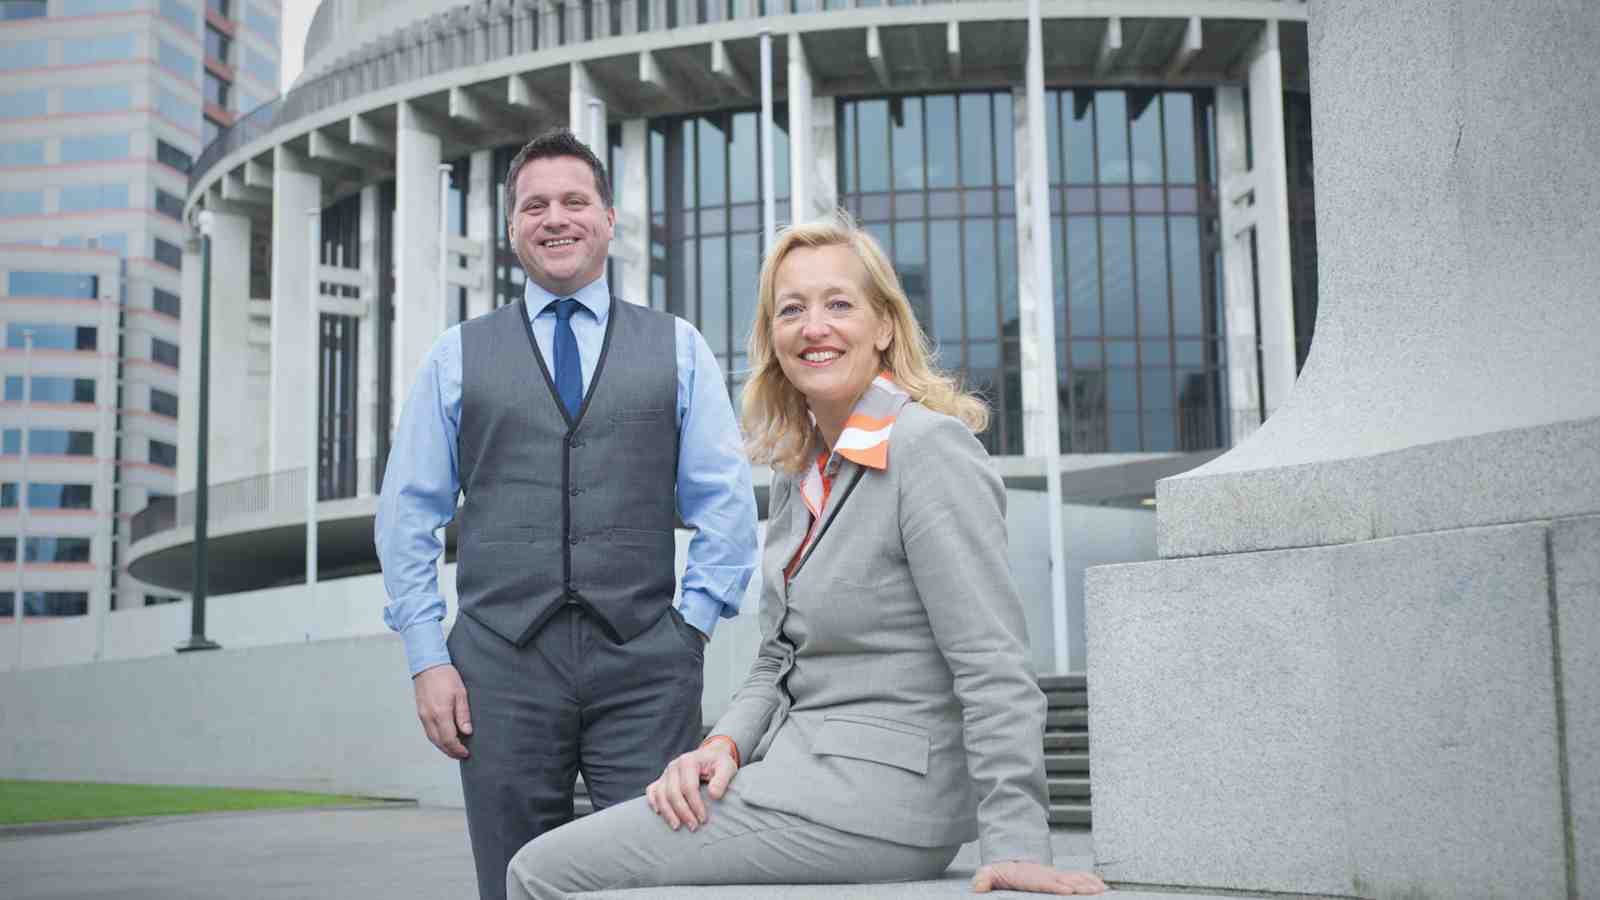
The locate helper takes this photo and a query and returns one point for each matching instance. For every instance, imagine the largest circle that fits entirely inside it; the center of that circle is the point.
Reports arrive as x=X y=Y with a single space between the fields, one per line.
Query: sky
x=296 y=18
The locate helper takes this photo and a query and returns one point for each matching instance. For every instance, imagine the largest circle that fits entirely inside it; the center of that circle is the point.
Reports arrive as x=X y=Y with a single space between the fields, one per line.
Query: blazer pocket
x=874 y=740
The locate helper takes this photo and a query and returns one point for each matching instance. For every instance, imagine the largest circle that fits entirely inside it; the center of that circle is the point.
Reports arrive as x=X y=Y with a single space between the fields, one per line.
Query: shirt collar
x=594 y=296
x=865 y=438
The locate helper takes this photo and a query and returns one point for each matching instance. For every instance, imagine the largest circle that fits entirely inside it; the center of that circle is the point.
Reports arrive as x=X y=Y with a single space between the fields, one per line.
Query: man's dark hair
x=554 y=143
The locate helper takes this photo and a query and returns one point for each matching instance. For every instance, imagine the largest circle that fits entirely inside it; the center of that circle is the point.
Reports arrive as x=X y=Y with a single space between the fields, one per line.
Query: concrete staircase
x=1066 y=753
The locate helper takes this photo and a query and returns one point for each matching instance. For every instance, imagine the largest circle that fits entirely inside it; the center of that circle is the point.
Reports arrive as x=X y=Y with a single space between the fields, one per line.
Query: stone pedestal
x=1367 y=664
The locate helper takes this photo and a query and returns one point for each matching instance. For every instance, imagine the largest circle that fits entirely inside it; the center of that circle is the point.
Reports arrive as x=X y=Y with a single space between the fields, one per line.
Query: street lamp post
x=200 y=565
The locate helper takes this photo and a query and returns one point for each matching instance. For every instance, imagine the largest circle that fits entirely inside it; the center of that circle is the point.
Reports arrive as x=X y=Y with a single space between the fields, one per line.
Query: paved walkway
x=406 y=853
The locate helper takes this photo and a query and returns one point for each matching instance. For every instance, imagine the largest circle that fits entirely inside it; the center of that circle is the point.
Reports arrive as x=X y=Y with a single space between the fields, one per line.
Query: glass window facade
x=89 y=197
x=22 y=153
x=181 y=14
x=169 y=205
x=216 y=90
x=706 y=225
x=161 y=453
x=178 y=111
x=63 y=285
x=95 y=148
x=166 y=302
x=96 y=7
x=175 y=59
x=932 y=179
x=58 y=442
x=99 y=49
x=55 y=550
x=218 y=44
x=171 y=156
x=164 y=403
x=263 y=68
x=261 y=22
x=24 y=104
x=52 y=336
x=1133 y=219
x=45 y=603
x=21 y=203
x=52 y=389
x=164 y=352
x=22 y=9
x=1302 y=219
x=167 y=253
x=96 y=99
x=46 y=495
x=16 y=55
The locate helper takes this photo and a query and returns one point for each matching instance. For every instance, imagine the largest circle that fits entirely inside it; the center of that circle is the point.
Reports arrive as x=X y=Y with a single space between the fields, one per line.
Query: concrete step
x=1067 y=699
x=1070 y=814
x=1068 y=788
x=1066 y=742
x=1066 y=719
x=1070 y=682
x=1066 y=762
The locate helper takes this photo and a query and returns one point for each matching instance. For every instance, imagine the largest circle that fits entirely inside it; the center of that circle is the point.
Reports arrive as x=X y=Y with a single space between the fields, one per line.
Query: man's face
x=560 y=229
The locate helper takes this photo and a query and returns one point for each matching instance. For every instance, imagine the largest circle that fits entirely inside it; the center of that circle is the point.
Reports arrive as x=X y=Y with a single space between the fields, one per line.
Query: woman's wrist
x=722 y=740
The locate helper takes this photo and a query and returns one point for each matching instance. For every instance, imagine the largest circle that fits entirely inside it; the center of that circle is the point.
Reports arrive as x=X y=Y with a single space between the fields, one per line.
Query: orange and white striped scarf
x=864 y=441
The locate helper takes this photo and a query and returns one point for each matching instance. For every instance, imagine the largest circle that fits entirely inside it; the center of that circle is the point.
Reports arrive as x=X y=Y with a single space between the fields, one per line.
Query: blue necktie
x=569 y=371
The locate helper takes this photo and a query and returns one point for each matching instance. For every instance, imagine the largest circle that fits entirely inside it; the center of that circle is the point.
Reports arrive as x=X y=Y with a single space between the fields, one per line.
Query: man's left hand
x=1034 y=878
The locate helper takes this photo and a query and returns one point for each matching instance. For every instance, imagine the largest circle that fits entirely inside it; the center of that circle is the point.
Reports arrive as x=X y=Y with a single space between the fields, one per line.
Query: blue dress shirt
x=422 y=481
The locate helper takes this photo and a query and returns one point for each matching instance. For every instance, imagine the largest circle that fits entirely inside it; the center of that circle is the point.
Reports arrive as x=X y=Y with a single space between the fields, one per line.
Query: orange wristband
x=723 y=739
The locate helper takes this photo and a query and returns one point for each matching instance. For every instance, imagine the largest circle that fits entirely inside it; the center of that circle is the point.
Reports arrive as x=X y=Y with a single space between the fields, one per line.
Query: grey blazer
x=892 y=695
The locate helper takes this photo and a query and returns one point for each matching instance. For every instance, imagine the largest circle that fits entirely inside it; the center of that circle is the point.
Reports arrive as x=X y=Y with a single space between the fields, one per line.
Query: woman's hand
x=675 y=796
x=1035 y=878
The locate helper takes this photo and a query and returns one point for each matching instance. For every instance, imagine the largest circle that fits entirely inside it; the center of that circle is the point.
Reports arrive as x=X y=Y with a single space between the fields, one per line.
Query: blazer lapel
x=844 y=482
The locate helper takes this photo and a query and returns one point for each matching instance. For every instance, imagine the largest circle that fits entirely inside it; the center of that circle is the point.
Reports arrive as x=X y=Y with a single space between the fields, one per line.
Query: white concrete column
x=480 y=228
x=419 y=314
x=292 y=385
x=635 y=210
x=1039 y=438
x=235 y=425
x=1270 y=172
x=583 y=117
x=813 y=145
x=1238 y=270
x=367 y=424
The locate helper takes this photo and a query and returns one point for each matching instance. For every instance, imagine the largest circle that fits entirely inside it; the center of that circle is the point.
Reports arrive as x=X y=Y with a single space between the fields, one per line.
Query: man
x=578 y=428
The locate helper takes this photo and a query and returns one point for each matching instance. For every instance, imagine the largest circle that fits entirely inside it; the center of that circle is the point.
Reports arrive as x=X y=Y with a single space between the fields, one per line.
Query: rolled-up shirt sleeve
x=715 y=498
x=420 y=487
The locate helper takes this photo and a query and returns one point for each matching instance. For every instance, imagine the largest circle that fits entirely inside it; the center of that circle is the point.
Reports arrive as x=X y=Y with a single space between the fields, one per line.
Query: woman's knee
x=537 y=871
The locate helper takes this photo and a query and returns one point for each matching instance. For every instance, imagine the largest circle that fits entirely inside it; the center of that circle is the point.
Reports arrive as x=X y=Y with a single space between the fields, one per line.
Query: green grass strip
x=57 y=801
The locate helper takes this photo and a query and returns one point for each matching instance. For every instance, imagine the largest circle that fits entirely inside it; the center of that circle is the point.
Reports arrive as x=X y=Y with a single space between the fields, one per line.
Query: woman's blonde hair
x=777 y=428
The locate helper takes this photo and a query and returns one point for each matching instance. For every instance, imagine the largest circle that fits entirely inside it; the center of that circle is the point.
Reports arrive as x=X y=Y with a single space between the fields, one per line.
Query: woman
x=889 y=716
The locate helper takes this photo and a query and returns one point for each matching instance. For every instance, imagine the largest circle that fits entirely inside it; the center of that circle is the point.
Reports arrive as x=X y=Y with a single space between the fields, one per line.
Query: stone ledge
x=1520 y=475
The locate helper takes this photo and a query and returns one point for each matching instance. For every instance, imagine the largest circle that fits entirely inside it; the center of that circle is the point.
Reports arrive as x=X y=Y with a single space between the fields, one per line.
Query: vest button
x=574 y=540
x=575 y=492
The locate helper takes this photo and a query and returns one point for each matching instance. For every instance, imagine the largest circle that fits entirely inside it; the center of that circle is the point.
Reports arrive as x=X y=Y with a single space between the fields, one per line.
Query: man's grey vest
x=557 y=511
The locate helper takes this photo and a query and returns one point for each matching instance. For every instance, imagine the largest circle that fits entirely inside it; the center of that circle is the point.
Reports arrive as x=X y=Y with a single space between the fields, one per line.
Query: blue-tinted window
x=52 y=389
x=166 y=302
x=59 y=442
x=58 y=550
x=216 y=89
x=264 y=68
x=217 y=44
x=24 y=55
x=45 y=495
x=11 y=442
x=22 y=104
x=168 y=254
x=87 y=197
x=180 y=13
x=104 y=48
x=114 y=241
x=52 y=337
x=246 y=101
x=163 y=454
x=174 y=58
x=169 y=205
x=13 y=389
x=95 y=148
x=21 y=203
x=209 y=129
x=66 y=285
x=164 y=352
x=22 y=153
x=23 y=9
x=96 y=99
x=94 y=7
x=8 y=495
x=261 y=22
x=185 y=113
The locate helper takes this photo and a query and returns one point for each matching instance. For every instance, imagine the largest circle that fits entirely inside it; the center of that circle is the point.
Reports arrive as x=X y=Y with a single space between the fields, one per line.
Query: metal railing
x=281 y=492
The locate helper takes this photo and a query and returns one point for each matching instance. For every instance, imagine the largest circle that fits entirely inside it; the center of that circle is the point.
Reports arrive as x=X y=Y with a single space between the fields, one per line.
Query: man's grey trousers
x=569 y=700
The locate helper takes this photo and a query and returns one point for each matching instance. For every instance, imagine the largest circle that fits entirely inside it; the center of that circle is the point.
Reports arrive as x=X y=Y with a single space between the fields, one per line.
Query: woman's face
x=826 y=334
